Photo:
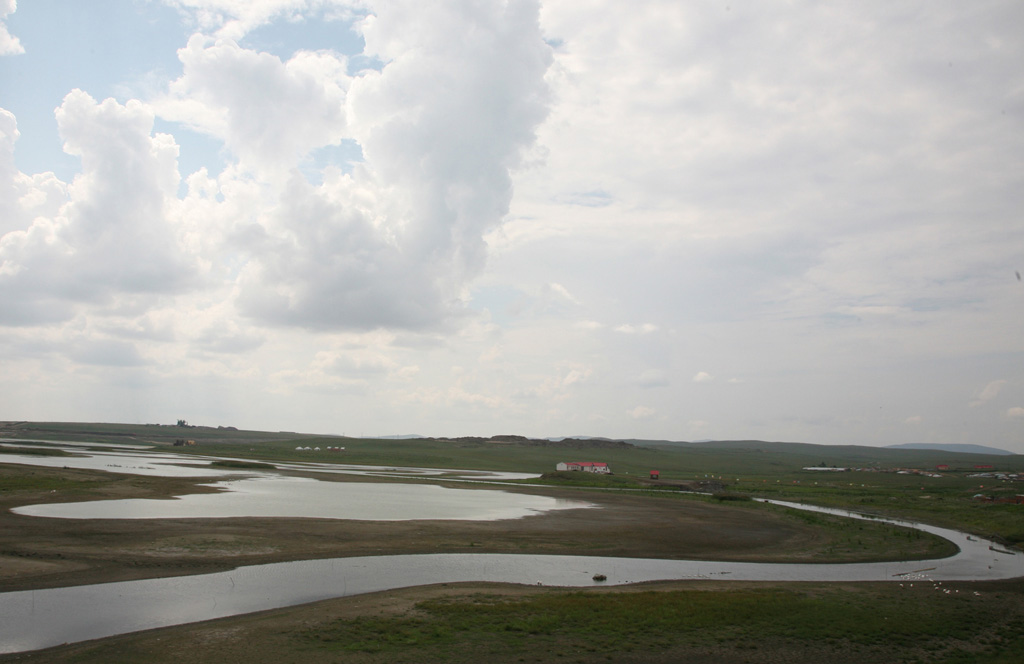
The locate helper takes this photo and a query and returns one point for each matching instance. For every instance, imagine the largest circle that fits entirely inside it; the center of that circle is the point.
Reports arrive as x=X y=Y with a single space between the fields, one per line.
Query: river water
x=35 y=619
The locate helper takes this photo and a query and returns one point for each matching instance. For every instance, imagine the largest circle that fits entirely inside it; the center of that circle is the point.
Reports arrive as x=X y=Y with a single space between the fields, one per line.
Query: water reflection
x=296 y=497
x=152 y=464
x=40 y=618
x=194 y=465
x=49 y=444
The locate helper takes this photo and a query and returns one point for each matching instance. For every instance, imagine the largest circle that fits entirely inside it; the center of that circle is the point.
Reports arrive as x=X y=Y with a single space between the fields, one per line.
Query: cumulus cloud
x=392 y=243
x=441 y=126
x=702 y=377
x=9 y=44
x=235 y=18
x=23 y=197
x=9 y=175
x=449 y=115
x=808 y=195
x=269 y=113
x=112 y=236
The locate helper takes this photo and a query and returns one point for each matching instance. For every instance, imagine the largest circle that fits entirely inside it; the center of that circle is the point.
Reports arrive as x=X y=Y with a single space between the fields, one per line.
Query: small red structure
x=654 y=474
x=942 y=466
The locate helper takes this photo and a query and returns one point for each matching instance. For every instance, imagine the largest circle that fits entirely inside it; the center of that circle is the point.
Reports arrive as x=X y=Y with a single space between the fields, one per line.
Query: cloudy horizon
x=738 y=220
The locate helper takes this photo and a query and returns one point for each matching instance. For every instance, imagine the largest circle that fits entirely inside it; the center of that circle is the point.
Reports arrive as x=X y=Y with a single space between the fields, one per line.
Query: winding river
x=35 y=619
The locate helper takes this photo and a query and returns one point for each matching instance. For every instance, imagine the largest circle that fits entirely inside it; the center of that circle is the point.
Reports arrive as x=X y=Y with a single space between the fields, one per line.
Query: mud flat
x=46 y=552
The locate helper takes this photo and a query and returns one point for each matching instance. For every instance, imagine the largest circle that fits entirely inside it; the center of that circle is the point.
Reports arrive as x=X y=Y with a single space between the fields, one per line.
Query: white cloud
x=390 y=245
x=449 y=115
x=9 y=44
x=224 y=89
x=1016 y=411
x=575 y=376
x=441 y=125
x=913 y=419
x=821 y=199
x=990 y=392
x=112 y=238
x=653 y=378
x=23 y=197
x=562 y=292
x=234 y=18
x=627 y=328
x=641 y=412
x=702 y=377
x=322 y=265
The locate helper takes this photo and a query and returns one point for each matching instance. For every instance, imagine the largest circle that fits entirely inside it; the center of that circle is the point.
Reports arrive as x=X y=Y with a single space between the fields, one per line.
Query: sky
x=793 y=221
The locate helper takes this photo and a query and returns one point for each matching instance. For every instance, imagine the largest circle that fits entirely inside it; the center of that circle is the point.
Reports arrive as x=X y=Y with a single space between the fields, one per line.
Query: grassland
x=753 y=468
x=692 y=621
x=657 y=623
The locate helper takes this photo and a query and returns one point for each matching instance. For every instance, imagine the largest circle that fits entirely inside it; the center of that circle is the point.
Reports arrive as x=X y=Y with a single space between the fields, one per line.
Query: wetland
x=647 y=522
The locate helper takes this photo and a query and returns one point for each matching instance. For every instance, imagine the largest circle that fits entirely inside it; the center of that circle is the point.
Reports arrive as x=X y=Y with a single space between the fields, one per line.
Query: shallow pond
x=163 y=464
x=131 y=463
x=296 y=497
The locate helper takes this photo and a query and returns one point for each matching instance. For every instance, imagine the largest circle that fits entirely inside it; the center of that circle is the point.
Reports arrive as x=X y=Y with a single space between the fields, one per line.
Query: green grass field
x=868 y=623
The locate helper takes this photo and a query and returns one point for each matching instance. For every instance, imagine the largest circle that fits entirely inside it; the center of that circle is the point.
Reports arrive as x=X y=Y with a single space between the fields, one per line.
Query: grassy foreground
x=682 y=622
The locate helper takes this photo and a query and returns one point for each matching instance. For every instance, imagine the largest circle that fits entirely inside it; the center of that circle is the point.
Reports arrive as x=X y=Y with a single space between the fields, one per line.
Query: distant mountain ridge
x=965 y=449
x=755 y=445
x=401 y=436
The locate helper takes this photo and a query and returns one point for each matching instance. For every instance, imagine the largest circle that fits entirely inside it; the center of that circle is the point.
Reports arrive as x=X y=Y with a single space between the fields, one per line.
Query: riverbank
x=45 y=553
x=694 y=621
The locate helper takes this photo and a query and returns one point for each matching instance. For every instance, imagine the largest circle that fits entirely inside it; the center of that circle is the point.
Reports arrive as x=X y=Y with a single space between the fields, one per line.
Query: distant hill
x=571 y=442
x=401 y=436
x=963 y=449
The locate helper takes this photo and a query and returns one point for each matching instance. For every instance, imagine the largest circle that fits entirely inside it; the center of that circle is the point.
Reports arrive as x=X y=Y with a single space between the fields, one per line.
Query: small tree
x=182 y=423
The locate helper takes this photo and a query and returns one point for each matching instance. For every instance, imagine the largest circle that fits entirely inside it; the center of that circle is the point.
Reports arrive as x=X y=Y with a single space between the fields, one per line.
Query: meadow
x=680 y=621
